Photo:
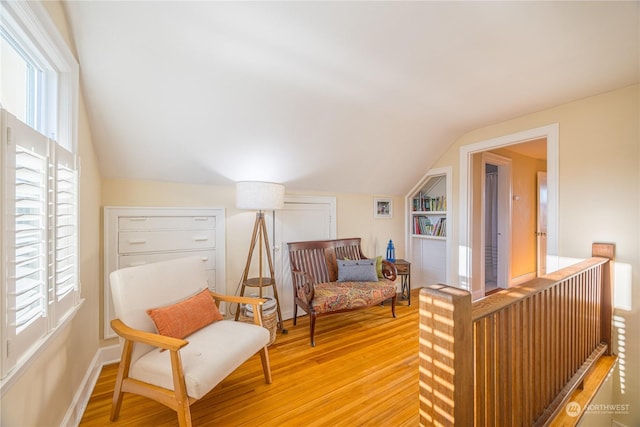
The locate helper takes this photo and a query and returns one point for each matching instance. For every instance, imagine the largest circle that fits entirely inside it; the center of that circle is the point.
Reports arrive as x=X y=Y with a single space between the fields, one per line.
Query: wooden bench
x=321 y=287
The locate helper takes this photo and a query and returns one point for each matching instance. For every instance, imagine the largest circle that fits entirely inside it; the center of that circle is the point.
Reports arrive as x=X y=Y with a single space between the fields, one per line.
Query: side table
x=404 y=271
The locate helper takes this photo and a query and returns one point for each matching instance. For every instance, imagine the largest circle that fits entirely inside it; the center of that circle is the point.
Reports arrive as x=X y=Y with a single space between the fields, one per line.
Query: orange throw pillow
x=185 y=317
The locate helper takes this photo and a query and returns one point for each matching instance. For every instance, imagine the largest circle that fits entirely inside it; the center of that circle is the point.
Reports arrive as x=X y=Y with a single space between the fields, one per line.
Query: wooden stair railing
x=515 y=357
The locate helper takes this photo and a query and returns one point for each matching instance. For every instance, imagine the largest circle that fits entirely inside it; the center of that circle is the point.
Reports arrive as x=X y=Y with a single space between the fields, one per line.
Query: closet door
x=303 y=218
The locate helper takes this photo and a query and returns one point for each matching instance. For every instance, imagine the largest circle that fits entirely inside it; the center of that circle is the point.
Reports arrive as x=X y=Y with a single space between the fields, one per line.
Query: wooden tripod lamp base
x=261 y=196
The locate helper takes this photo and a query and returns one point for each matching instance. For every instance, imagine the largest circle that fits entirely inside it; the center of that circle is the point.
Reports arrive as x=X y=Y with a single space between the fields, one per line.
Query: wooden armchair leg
x=123 y=372
x=266 y=365
x=116 y=404
x=180 y=390
x=184 y=415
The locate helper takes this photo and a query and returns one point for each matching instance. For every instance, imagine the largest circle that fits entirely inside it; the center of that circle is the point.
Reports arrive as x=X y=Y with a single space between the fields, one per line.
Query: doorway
x=495 y=230
x=491 y=228
x=470 y=249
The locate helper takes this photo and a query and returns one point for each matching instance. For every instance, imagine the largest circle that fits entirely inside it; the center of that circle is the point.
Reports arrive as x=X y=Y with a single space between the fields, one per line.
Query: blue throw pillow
x=360 y=270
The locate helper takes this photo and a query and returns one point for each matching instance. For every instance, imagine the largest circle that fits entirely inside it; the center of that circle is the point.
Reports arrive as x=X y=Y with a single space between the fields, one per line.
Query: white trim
x=31 y=20
x=111 y=354
x=73 y=416
x=552 y=134
x=104 y=356
x=505 y=209
x=447 y=171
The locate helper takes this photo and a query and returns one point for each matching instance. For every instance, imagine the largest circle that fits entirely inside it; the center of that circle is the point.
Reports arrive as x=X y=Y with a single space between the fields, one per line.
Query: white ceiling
x=356 y=97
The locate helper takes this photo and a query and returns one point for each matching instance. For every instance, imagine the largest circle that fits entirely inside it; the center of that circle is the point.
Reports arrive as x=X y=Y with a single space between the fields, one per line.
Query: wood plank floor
x=362 y=372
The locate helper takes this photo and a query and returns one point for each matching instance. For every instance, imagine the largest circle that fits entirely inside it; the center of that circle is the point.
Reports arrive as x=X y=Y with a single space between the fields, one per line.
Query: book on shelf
x=424 y=203
x=441 y=228
x=422 y=226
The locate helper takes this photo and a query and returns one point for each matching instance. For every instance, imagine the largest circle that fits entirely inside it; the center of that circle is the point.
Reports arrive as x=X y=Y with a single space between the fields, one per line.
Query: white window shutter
x=26 y=192
x=65 y=284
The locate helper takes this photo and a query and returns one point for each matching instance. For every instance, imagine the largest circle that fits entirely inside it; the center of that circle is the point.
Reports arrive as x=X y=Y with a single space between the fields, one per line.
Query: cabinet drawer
x=166 y=223
x=208 y=257
x=169 y=240
x=402 y=268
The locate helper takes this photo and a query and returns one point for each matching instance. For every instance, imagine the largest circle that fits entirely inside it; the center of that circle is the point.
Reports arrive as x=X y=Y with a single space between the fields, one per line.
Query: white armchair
x=192 y=366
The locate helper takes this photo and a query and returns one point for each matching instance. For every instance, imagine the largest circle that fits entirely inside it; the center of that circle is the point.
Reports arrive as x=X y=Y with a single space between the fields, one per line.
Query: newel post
x=606 y=250
x=446 y=357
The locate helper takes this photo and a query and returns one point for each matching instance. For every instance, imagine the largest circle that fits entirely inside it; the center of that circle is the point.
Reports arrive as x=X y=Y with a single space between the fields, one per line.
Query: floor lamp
x=260 y=196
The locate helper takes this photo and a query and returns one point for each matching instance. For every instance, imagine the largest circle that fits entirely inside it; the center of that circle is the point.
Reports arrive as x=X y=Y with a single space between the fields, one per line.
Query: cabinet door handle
x=200 y=239
x=137 y=242
x=205 y=258
x=138 y=219
x=203 y=218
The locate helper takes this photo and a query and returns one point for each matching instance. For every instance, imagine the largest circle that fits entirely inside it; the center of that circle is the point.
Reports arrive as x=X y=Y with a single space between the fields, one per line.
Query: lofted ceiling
x=355 y=97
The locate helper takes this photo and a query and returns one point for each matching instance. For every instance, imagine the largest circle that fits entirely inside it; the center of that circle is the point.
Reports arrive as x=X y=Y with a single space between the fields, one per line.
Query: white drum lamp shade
x=259 y=195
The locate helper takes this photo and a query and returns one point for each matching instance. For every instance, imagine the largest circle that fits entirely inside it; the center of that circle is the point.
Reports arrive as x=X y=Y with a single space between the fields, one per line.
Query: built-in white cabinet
x=141 y=235
x=428 y=228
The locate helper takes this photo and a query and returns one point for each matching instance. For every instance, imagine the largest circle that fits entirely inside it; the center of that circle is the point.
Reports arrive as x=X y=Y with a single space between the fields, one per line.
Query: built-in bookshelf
x=428 y=228
x=429 y=208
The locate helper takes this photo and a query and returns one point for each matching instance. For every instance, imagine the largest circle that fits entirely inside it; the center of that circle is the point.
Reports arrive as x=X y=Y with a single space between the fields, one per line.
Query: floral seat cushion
x=337 y=296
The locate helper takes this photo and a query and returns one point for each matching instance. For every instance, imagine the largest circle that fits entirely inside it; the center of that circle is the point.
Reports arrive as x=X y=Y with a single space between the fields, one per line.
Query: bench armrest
x=389 y=270
x=303 y=284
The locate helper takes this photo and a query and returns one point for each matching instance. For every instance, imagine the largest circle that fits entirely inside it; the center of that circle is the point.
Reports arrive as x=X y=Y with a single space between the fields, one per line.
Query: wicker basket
x=269 y=320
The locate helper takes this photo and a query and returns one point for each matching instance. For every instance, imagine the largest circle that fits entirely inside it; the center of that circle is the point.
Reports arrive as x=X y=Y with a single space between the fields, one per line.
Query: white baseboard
x=111 y=354
x=103 y=356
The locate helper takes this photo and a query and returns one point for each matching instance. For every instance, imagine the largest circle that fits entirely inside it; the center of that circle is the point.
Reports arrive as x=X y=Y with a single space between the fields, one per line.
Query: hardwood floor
x=363 y=371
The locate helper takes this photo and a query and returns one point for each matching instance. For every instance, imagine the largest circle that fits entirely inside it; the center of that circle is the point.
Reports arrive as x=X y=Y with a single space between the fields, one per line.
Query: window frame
x=30 y=25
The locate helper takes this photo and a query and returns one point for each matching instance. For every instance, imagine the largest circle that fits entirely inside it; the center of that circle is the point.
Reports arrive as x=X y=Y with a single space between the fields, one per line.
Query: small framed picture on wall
x=382 y=207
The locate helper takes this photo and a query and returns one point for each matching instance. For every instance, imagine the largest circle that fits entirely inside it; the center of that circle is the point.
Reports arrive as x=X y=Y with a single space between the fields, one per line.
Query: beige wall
x=43 y=393
x=599 y=201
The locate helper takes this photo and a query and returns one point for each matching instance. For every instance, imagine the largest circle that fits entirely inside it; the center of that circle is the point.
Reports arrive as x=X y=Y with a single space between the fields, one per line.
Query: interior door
x=303 y=218
x=541 y=231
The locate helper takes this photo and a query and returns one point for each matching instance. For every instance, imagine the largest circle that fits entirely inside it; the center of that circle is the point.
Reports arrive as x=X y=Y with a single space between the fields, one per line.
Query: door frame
x=505 y=192
x=552 y=135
